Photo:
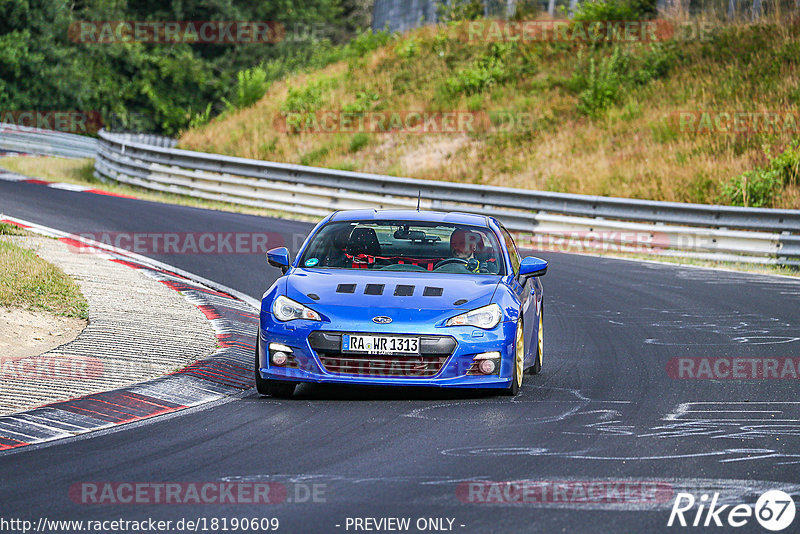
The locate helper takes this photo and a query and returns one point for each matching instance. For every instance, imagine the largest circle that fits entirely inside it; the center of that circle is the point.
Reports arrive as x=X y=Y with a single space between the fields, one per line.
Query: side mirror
x=279 y=257
x=531 y=266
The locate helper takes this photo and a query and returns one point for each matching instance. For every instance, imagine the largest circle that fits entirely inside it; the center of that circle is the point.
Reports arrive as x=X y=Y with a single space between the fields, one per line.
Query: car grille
x=434 y=352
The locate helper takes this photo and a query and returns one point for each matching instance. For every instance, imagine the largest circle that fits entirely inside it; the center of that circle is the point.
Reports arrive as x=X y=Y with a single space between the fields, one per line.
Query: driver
x=463 y=245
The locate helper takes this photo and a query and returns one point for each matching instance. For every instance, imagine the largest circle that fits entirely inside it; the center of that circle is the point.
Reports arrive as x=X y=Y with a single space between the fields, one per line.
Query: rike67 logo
x=774 y=511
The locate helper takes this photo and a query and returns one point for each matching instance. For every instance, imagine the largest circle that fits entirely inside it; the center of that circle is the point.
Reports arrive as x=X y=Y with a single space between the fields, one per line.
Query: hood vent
x=374 y=289
x=432 y=292
x=346 y=288
x=403 y=291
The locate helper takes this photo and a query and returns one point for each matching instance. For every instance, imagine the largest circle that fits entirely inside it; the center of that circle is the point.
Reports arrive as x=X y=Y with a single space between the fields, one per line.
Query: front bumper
x=309 y=365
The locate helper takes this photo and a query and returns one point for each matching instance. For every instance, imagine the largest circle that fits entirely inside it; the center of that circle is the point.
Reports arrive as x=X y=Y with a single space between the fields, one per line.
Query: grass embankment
x=600 y=119
x=29 y=282
x=69 y=170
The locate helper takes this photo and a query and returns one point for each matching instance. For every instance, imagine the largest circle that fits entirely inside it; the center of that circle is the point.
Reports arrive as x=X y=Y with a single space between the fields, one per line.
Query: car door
x=526 y=295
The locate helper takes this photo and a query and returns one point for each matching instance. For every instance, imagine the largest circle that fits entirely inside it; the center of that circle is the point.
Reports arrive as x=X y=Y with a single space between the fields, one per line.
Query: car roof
x=411 y=215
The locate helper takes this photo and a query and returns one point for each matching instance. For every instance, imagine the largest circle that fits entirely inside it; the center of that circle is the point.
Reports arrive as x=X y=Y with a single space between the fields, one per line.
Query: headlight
x=285 y=309
x=485 y=317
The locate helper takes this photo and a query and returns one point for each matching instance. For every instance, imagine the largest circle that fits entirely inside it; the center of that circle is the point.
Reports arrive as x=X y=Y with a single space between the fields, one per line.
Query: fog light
x=280 y=358
x=486 y=367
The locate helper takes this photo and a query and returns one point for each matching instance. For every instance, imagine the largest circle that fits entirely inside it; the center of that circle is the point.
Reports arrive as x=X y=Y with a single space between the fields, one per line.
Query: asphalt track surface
x=603 y=409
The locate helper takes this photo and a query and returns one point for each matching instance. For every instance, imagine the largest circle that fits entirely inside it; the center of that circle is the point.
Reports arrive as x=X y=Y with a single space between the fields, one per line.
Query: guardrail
x=556 y=221
x=16 y=138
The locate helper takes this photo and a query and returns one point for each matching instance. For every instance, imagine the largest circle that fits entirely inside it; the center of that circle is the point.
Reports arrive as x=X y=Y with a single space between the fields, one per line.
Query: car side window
x=512 y=250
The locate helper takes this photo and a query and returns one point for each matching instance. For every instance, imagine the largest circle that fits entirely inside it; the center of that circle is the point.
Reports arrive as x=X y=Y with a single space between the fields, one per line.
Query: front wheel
x=519 y=361
x=536 y=368
x=271 y=387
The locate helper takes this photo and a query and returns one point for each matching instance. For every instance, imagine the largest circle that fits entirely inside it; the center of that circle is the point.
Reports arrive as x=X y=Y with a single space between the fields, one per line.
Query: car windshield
x=405 y=246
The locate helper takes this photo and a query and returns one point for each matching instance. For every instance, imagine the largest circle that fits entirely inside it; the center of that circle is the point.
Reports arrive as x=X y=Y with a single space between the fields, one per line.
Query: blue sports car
x=402 y=297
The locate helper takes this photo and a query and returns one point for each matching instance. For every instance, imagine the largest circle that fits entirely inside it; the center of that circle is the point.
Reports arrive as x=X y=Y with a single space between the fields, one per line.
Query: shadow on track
x=335 y=392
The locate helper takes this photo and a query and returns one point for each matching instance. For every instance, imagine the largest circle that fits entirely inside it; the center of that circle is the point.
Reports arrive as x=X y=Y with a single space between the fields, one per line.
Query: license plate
x=380 y=344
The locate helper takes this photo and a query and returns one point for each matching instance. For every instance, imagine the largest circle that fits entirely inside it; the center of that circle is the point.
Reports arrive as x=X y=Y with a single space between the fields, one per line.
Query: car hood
x=434 y=295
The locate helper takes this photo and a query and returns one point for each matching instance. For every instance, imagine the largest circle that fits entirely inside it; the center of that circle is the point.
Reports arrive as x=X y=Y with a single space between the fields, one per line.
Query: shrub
x=656 y=63
x=760 y=187
x=358 y=142
x=600 y=84
x=308 y=98
x=322 y=53
x=251 y=84
x=457 y=10
x=755 y=188
x=526 y=9
x=300 y=105
x=787 y=164
x=315 y=156
x=202 y=118
x=486 y=71
x=364 y=43
x=408 y=48
x=365 y=101
x=615 y=10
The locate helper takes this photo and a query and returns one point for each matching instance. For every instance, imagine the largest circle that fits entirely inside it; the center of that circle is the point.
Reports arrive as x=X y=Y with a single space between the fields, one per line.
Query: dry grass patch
x=69 y=170
x=29 y=282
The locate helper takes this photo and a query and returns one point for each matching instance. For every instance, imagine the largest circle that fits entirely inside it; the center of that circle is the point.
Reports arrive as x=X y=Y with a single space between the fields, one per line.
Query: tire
x=283 y=390
x=272 y=388
x=261 y=384
x=536 y=368
x=519 y=360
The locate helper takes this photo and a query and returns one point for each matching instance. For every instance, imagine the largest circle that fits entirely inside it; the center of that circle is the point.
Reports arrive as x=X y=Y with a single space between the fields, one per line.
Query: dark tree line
x=157 y=87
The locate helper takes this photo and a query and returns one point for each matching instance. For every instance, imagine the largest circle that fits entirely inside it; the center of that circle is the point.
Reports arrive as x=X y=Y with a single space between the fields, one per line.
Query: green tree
x=152 y=86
